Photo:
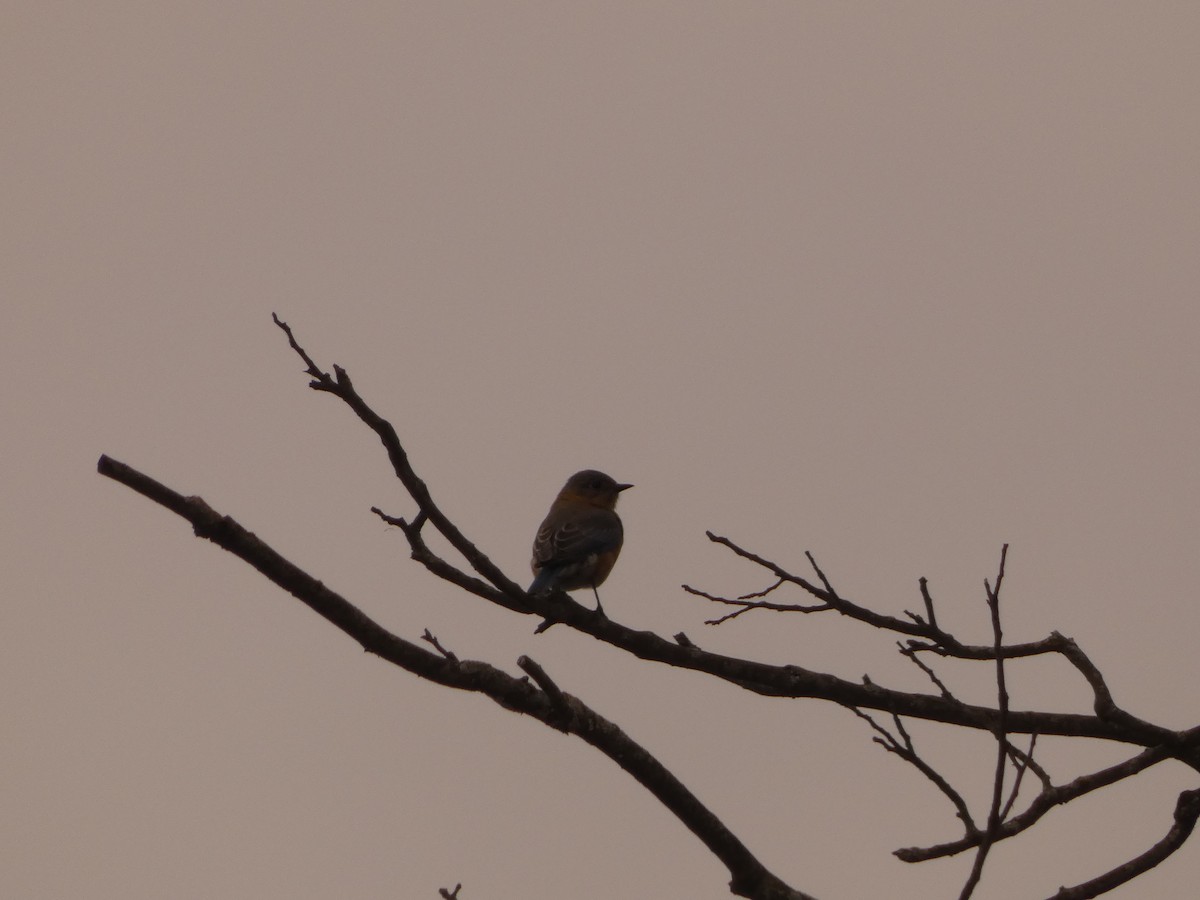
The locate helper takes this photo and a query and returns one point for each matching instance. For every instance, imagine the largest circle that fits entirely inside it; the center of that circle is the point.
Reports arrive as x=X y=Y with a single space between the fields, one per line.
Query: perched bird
x=578 y=542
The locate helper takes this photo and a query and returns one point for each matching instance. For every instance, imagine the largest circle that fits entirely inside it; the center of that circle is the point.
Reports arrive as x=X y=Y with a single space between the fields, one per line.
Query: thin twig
x=1002 y=751
x=912 y=657
x=429 y=638
x=905 y=749
x=925 y=596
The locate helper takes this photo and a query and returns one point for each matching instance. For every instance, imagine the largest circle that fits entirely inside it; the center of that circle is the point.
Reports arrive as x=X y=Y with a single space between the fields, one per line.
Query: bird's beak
x=623 y=487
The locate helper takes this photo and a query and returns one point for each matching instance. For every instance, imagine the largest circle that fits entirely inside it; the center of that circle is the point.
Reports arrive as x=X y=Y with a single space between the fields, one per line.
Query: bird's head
x=594 y=488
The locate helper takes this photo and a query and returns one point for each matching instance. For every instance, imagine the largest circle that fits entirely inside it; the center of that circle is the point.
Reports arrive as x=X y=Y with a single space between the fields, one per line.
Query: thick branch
x=549 y=705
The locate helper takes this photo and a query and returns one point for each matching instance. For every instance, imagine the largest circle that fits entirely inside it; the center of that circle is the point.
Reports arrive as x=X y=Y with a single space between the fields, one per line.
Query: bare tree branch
x=1002 y=748
x=340 y=386
x=549 y=705
x=1049 y=798
x=1187 y=810
x=926 y=636
x=537 y=695
x=906 y=750
x=770 y=680
x=911 y=655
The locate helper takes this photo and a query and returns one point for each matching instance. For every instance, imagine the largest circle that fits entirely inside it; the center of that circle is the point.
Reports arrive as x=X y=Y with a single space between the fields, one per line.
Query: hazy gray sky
x=893 y=283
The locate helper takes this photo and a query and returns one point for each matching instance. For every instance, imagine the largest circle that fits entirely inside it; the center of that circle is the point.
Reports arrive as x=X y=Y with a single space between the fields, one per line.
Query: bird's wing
x=559 y=543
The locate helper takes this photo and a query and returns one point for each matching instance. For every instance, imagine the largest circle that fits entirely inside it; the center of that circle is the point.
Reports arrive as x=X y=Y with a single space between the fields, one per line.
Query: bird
x=580 y=538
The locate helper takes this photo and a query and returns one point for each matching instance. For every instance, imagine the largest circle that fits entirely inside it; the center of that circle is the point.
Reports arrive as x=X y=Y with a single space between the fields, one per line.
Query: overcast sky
x=893 y=283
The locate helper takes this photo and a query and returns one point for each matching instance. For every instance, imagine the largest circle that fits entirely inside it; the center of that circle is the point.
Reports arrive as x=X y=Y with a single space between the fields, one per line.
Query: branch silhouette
x=542 y=700
x=537 y=695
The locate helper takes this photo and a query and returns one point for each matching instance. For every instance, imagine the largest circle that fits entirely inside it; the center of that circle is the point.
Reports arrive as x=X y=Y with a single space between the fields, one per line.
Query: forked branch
x=543 y=701
x=539 y=696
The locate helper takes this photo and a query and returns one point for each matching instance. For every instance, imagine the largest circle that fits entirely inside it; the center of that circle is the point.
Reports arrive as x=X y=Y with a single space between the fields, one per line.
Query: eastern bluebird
x=578 y=542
